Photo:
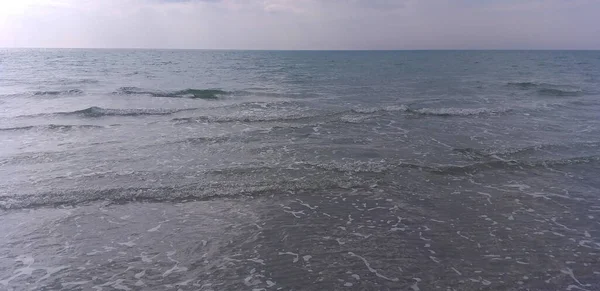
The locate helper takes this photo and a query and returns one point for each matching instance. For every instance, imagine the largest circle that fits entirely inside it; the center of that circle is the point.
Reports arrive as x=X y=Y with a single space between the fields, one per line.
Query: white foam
x=27 y=270
x=155 y=228
x=353 y=119
x=296 y=256
x=128 y=244
x=373 y=270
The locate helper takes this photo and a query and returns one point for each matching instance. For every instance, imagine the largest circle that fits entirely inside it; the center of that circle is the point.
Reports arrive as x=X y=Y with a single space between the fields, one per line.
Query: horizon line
x=308 y=50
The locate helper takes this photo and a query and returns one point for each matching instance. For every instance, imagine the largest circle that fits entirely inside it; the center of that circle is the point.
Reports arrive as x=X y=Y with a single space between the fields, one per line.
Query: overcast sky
x=302 y=24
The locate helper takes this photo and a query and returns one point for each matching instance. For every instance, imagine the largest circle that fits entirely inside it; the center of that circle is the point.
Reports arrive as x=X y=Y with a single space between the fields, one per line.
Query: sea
x=299 y=170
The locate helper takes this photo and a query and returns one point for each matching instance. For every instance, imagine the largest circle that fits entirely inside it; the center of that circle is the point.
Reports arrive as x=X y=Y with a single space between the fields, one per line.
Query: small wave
x=391 y=108
x=508 y=164
x=546 y=89
x=187 y=93
x=51 y=127
x=66 y=81
x=356 y=115
x=354 y=119
x=56 y=93
x=99 y=112
x=458 y=111
x=377 y=167
x=243 y=118
x=523 y=150
x=355 y=166
x=559 y=92
x=523 y=85
x=208 y=191
x=17 y=128
x=432 y=111
x=204 y=140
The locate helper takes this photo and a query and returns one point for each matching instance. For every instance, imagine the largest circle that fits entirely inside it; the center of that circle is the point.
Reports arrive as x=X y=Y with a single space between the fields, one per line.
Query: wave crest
x=559 y=92
x=546 y=89
x=187 y=93
x=56 y=93
x=95 y=111
x=458 y=111
x=51 y=127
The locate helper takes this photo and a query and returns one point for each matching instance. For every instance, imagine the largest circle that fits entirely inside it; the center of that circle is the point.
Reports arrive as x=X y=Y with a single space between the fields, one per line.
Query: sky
x=301 y=24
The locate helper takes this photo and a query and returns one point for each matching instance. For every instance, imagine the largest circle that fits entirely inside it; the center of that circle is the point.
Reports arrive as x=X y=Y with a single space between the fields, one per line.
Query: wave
x=56 y=93
x=446 y=111
x=524 y=85
x=356 y=115
x=187 y=93
x=254 y=181
x=523 y=150
x=353 y=119
x=546 y=89
x=458 y=111
x=391 y=108
x=560 y=92
x=378 y=167
x=179 y=194
x=95 y=111
x=204 y=140
x=508 y=164
x=244 y=118
x=51 y=127
x=67 y=81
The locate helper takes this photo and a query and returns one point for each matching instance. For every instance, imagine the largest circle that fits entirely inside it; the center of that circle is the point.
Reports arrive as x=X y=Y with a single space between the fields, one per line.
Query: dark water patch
x=187 y=93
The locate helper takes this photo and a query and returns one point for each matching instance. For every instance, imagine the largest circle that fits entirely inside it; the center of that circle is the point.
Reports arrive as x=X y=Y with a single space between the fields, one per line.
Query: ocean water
x=273 y=170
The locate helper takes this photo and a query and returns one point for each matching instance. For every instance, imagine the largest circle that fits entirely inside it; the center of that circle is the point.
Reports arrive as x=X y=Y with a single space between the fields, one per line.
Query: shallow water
x=232 y=170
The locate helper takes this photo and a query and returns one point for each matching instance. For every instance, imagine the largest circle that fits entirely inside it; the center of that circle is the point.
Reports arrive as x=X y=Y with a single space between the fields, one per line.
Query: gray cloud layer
x=302 y=24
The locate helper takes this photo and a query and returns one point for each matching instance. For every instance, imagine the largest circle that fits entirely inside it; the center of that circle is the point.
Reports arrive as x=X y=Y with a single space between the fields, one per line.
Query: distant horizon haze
x=301 y=24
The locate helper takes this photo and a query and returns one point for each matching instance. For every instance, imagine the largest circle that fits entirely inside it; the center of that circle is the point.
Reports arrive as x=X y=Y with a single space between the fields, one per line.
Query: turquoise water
x=318 y=170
